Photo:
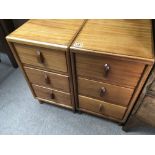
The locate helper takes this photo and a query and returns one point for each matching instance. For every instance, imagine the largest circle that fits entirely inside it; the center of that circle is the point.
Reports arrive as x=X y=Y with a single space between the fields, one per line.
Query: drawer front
x=48 y=79
x=42 y=57
x=104 y=91
x=52 y=95
x=101 y=107
x=109 y=70
x=146 y=112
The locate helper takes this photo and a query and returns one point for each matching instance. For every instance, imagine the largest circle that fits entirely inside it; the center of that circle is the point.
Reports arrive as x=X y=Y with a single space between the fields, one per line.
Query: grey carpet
x=20 y=113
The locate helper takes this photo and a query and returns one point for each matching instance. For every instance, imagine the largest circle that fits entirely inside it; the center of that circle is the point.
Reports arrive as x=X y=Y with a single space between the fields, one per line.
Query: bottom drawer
x=101 y=107
x=146 y=112
x=52 y=95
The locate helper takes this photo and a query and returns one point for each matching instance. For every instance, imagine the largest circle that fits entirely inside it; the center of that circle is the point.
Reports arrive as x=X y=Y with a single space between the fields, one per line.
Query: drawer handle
x=40 y=57
x=100 y=108
x=46 y=78
x=102 y=91
x=106 y=70
x=52 y=96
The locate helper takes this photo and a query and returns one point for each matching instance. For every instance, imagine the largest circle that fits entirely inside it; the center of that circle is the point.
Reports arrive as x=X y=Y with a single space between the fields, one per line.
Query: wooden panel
x=146 y=112
x=121 y=73
x=52 y=59
x=48 y=79
x=59 y=96
x=113 y=94
x=101 y=107
x=47 y=32
x=121 y=37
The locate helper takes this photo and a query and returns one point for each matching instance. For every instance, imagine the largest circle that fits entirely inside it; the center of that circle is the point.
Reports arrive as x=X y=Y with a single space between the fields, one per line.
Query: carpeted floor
x=20 y=113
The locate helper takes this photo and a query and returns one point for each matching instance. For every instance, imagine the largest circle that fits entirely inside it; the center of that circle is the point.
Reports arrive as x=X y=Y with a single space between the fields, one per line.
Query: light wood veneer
x=41 y=48
x=112 y=93
x=111 y=60
x=48 y=79
x=52 y=95
x=101 y=107
x=94 y=66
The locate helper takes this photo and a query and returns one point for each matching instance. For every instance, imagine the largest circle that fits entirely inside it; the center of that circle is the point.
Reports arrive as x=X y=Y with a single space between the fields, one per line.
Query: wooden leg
x=40 y=102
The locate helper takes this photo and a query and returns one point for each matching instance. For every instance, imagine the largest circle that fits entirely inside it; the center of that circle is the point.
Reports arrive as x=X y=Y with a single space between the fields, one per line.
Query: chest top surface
x=131 y=38
x=47 y=32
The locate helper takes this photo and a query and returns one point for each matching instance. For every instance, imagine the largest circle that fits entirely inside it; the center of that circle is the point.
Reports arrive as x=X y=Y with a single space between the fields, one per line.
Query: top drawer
x=123 y=73
x=42 y=57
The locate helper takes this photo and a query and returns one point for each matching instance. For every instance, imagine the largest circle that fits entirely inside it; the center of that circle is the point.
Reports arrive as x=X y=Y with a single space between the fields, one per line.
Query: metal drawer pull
x=100 y=108
x=46 y=78
x=102 y=91
x=40 y=57
x=106 y=70
x=52 y=96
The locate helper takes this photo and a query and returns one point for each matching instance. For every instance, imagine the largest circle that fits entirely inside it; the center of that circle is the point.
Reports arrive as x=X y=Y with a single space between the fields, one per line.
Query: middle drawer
x=48 y=79
x=104 y=91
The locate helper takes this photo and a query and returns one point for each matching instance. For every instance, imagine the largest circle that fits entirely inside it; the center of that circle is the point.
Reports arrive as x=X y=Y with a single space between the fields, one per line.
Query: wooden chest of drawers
x=95 y=66
x=111 y=60
x=41 y=48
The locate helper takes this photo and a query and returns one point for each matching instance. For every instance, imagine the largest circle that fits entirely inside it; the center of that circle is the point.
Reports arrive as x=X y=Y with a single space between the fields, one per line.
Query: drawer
x=110 y=70
x=104 y=91
x=101 y=107
x=42 y=57
x=52 y=95
x=48 y=79
x=146 y=112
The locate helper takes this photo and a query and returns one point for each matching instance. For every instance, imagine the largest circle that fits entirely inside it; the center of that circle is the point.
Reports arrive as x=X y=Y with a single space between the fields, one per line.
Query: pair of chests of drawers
x=105 y=85
x=47 y=73
x=95 y=66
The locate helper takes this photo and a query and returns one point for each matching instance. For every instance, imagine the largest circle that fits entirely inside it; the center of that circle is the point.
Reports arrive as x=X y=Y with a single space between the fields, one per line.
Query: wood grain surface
x=122 y=37
x=121 y=73
x=101 y=107
x=48 y=79
x=59 y=96
x=47 y=32
x=113 y=94
x=53 y=59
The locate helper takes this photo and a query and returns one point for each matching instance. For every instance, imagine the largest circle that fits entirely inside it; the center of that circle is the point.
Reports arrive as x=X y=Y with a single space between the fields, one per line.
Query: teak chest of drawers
x=41 y=48
x=111 y=60
x=94 y=66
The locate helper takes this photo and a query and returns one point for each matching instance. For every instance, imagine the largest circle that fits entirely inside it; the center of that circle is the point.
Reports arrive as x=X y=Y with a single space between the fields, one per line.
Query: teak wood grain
x=59 y=96
x=48 y=79
x=72 y=49
x=101 y=107
x=125 y=46
x=121 y=73
x=53 y=39
x=121 y=37
x=51 y=33
x=52 y=59
x=113 y=94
